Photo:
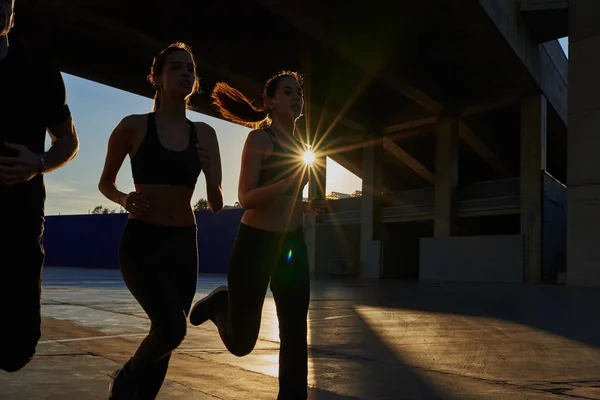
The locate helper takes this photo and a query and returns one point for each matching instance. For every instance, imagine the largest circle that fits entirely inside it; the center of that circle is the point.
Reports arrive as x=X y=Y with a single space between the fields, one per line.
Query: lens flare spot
x=309 y=157
x=289 y=256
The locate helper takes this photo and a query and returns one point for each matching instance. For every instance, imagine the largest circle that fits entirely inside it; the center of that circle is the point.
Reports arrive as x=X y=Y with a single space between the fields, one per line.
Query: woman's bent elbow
x=244 y=203
x=101 y=186
x=216 y=207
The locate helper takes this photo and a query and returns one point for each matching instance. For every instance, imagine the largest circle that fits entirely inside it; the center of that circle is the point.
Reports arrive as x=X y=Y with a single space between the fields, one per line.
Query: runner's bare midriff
x=169 y=205
x=283 y=214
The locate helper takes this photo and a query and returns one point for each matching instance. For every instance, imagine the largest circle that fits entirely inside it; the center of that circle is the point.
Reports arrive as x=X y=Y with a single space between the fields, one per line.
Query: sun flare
x=309 y=157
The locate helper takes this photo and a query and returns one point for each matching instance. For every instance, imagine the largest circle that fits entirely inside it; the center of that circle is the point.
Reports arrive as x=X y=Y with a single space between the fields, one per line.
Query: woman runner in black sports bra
x=269 y=249
x=158 y=253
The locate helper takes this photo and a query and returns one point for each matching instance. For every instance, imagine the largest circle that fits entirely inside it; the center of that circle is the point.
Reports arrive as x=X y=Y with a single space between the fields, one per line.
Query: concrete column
x=533 y=162
x=583 y=165
x=370 y=249
x=446 y=176
x=318 y=178
x=316 y=188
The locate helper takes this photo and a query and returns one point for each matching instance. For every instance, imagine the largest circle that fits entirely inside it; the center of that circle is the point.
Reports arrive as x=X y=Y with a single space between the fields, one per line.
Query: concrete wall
x=554 y=233
x=337 y=248
x=472 y=259
x=92 y=241
x=583 y=168
x=400 y=248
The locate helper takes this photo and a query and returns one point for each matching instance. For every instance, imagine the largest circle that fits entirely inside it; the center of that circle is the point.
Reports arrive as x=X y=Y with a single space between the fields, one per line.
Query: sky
x=97 y=109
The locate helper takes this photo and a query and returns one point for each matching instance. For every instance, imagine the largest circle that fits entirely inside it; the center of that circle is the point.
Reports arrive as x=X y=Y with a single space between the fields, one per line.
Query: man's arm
x=65 y=141
x=64 y=148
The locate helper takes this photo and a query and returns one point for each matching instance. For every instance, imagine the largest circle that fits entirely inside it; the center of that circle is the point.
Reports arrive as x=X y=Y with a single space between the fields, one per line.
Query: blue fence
x=92 y=241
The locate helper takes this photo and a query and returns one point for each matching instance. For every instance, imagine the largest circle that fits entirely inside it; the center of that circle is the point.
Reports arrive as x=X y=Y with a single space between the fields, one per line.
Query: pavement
x=367 y=340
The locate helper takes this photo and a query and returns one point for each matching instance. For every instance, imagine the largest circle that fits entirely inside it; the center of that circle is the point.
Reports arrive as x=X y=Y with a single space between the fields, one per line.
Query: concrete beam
x=370 y=211
x=446 y=176
x=318 y=178
x=583 y=191
x=306 y=25
x=407 y=159
x=395 y=150
x=417 y=123
x=475 y=143
x=541 y=66
x=399 y=137
x=507 y=99
x=208 y=62
x=533 y=162
x=543 y=5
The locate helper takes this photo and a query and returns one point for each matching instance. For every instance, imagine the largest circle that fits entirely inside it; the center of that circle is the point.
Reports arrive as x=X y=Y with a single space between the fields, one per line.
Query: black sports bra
x=155 y=164
x=281 y=165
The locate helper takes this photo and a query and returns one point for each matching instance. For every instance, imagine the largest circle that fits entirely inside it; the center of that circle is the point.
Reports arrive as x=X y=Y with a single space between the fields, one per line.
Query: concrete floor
x=368 y=340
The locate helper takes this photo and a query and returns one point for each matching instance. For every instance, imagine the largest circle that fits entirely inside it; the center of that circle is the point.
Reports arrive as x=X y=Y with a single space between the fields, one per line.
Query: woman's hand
x=136 y=203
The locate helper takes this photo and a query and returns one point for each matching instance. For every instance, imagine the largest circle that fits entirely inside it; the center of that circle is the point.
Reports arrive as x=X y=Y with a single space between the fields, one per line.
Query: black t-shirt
x=32 y=99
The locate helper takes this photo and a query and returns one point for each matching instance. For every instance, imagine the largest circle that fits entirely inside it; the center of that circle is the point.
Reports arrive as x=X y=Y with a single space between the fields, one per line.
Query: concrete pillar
x=533 y=162
x=310 y=237
x=370 y=249
x=583 y=165
x=316 y=188
x=446 y=176
x=318 y=178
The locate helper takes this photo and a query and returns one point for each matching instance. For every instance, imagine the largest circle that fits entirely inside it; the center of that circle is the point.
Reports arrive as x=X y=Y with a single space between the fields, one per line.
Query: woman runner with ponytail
x=158 y=253
x=269 y=249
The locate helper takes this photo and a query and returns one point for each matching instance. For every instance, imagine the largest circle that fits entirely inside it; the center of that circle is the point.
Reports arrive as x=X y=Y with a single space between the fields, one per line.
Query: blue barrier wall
x=92 y=240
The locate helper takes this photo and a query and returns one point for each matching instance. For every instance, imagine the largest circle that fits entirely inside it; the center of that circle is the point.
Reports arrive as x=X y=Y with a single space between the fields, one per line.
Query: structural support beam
x=533 y=162
x=307 y=25
x=479 y=147
x=543 y=5
x=545 y=70
x=497 y=101
x=316 y=188
x=318 y=178
x=210 y=62
x=446 y=176
x=370 y=243
x=407 y=159
x=410 y=125
x=547 y=19
x=583 y=187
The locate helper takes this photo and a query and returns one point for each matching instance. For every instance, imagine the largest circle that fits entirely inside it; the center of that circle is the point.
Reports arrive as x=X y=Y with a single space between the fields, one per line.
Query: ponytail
x=237 y=108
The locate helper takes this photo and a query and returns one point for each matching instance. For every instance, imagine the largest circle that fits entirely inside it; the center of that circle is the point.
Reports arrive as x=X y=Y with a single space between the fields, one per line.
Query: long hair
x=158 y=65
x=236 y=107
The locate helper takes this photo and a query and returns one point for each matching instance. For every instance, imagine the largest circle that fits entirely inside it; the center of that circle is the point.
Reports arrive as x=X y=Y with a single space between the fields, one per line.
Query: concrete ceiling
x=383 y=67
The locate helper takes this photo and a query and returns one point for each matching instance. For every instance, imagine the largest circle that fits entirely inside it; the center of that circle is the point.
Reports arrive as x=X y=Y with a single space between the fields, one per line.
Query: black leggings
x=21 y=260
x=160 y=267
x=260 y=257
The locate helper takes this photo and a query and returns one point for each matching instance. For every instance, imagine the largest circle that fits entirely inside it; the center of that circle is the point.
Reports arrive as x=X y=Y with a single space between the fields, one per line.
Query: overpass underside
x=451 y=104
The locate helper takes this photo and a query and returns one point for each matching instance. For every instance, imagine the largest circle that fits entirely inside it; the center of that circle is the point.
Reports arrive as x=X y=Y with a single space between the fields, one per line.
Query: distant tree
x=103 y=210
x=201 y=204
